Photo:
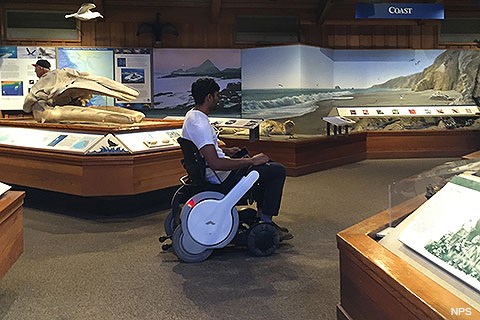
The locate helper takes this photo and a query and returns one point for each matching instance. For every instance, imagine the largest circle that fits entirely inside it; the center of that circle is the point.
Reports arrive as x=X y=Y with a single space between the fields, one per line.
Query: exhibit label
x=399 y=11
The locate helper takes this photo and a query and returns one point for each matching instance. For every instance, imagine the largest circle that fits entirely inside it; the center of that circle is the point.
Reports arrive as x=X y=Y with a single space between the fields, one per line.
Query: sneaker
x=283 y=233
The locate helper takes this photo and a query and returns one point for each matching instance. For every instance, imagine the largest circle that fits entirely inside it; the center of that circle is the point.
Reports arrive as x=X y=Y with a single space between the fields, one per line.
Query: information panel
x=17 y=75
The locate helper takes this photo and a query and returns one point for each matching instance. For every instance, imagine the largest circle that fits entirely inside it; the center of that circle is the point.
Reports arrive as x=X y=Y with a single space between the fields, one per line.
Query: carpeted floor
x=101 y=259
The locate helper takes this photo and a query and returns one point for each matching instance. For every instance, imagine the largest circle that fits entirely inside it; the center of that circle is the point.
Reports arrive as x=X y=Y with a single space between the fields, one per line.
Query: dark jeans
x=269 y=187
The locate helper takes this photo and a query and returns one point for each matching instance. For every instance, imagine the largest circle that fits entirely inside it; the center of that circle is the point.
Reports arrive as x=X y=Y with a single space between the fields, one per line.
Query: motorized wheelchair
x=204 y=216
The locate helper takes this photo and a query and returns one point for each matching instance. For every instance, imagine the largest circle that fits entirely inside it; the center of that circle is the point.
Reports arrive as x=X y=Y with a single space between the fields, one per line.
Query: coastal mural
x=176 y=69
x=307 y=83
x=295 y=82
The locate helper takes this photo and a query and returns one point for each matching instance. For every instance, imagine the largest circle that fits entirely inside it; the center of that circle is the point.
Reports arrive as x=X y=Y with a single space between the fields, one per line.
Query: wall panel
x=354 y=37
x=391 y=37
x=88 y=34
x=340 y=36
x=131 y=38
x=117 y=34
x=338 y=28
x=415 y=37
x=366 y=33
x=378 y=38
x=403 y=37
x=102 y=34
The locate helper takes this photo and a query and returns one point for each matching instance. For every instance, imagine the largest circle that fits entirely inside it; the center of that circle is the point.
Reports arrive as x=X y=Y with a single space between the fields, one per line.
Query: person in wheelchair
x=224 y=163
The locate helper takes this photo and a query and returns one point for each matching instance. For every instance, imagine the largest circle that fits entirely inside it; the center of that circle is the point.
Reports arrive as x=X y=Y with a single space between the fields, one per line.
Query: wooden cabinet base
x=108 y=175
x=306 y=155
x=421 y=143
x=302 y=156
x=377 y=284
x=112 y=175
x=11 y=229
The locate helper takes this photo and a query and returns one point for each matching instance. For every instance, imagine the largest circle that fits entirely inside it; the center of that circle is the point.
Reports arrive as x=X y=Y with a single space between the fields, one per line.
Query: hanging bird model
x=157 y=29
x=85 y=13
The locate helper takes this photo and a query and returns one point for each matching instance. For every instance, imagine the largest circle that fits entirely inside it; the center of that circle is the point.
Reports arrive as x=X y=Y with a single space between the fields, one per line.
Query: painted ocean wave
x=283 y=106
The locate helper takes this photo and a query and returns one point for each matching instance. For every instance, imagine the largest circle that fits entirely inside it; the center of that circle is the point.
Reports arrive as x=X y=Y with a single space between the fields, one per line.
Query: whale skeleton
x=61 y=94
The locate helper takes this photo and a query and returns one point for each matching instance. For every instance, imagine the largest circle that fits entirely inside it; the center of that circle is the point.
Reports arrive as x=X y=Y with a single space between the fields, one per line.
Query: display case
x=413 y=117
x=385 y=273
x=250 y=127
x=85 y=141
x=429 y=182
x=91 y=160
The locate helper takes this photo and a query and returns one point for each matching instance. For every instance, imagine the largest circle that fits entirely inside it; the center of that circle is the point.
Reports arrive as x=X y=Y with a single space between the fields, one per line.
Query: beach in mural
x=176 y=69
x=284 y=103
x=306 y=107
x=307 y=83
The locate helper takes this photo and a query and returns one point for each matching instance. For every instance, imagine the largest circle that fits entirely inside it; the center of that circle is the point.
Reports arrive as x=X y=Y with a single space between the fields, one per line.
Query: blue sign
x=399 y=11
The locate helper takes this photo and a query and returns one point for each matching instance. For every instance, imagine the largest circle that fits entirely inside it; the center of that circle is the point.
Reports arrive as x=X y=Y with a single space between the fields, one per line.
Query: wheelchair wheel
x=180 y=251
x=169 y=224
x=263 y=239
x=173 y=218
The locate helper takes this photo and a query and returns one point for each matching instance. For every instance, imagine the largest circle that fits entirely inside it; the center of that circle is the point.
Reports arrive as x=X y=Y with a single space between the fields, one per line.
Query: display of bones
x=267 y=128
x=61 y=95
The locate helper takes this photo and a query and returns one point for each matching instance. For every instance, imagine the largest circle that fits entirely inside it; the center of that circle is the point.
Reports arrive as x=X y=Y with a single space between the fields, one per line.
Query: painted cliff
x=452 y=70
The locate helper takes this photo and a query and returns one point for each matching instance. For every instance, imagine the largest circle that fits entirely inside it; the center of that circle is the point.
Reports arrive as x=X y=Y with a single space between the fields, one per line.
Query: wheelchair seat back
x=195 y=165
x=193 y=162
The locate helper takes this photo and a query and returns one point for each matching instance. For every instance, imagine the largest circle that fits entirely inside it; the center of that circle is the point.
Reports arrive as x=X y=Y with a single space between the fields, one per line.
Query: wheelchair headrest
x=193 y=162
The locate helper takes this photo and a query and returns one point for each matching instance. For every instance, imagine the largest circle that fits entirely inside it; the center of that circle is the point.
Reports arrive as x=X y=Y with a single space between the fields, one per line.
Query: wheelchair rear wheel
x=169 y=224
x=178 y=201
x=180 y=251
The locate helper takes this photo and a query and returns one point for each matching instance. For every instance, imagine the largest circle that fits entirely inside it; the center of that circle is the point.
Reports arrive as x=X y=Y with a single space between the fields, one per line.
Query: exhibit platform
x=91 y=160
x=306 y=154
x=114 y=160
x=302 y=154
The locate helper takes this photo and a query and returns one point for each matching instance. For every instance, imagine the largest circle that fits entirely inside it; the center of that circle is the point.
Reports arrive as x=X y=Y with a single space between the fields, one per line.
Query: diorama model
x=267 y=128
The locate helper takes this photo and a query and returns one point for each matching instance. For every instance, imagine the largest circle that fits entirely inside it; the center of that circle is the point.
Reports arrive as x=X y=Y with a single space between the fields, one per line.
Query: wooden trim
x=377 y=284
x=215 y=8
x=146 y=125
x=11 y=229
x=473 y=155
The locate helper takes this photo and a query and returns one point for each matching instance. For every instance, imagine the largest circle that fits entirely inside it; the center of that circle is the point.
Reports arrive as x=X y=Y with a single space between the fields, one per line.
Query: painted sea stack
x=176 y=70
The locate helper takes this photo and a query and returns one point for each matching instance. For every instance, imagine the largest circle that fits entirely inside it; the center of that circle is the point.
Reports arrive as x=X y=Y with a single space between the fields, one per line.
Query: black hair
x=202 y=88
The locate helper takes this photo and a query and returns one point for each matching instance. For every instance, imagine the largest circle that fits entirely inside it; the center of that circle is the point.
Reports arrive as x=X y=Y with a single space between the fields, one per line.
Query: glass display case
x=91 y=160
x=441 y=238
x=427 y=183
x=427 y=265
x=412 y=118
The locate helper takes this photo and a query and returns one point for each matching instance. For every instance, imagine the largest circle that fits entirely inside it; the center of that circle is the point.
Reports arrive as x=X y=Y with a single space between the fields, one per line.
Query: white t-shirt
x=197 y=128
